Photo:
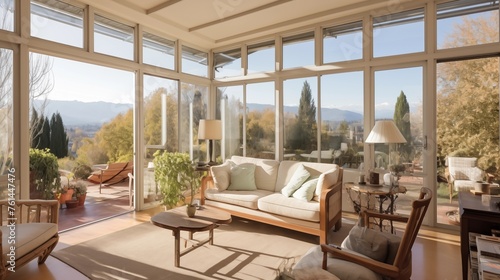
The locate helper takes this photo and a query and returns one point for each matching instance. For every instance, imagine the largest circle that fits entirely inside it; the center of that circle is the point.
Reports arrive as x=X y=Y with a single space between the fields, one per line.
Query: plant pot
x=66 y=196
x=81 y=199
x=72 y=203
x=191 y=210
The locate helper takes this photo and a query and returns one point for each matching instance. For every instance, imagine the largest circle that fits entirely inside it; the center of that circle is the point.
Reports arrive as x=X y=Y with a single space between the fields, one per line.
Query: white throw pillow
x=326 y=180
x=243 y=177
x=306 y=191
x=298 y=178
x=221 y=175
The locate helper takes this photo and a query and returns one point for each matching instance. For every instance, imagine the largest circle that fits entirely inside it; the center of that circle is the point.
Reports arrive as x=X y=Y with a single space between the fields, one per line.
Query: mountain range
x=77 y=113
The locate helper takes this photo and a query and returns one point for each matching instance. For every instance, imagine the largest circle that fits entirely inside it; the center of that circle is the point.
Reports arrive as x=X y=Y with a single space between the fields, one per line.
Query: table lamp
x=210 y=130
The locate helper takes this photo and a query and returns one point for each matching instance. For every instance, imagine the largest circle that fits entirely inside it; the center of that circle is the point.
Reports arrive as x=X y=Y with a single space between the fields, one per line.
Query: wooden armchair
x=400 y=266
x=29 y=226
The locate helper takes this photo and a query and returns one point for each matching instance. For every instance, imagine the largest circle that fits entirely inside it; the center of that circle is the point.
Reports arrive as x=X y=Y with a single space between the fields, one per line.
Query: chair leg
x=450 y=187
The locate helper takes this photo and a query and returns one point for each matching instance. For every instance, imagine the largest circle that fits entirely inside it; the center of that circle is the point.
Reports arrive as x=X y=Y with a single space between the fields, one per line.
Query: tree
x=303 y=134
x=468 y=100
x=402 y=121
x=58 y=137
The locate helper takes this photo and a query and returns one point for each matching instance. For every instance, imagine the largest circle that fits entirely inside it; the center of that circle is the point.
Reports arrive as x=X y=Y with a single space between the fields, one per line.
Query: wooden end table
x=206 y=218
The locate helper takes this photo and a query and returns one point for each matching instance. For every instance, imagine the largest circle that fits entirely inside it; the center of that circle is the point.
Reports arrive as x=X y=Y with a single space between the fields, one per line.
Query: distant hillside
x=84 y=113
x=328 y=114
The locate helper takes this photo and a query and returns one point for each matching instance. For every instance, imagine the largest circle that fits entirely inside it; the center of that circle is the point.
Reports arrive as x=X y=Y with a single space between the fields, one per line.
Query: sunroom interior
x=254 y=65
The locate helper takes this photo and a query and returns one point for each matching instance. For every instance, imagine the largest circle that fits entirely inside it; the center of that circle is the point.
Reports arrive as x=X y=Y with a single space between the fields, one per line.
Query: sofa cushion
x=242 y=177
x=288 y=167
x=277 y=203
x=306 y=191
x=266 y=171
x=326 y=180
x=299 y=177
x=28 y=237
x=246 y=199
x=221 y=175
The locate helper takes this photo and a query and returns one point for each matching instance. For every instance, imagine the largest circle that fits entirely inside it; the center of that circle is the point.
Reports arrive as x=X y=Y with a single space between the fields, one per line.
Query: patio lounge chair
x=463 y=173
x=112 y=174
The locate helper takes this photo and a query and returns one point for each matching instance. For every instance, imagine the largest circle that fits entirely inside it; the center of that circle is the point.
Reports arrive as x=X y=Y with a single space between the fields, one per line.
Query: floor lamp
x=385 y=132
x=210 y=130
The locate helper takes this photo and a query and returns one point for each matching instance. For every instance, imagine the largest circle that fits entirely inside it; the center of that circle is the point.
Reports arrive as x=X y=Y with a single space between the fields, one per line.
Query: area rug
x=242 y=250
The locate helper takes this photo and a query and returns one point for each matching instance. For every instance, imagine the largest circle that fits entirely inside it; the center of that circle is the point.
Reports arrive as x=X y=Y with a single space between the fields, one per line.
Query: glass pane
x=261 y=57
x=57 y=21
x=194 y=62
x=343 y=42
x=6 y=122
x=342 y=117
x=194 y=103
x=160 y=126
x=158 y=51
x=467 y=23
x=398 y=97
x=299 y=121
x=95 y=106
x=113 y=38
x=260 y=122
x=467 y=126
x=230 y=110
x=7 y=10
x=399 y=33
x=298 y=50
x=228 y=64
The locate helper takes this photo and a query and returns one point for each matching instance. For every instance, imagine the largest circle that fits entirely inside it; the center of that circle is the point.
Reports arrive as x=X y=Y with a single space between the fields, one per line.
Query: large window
x=7 y=9
x=194 y=62
x=342 y=117
x=57 y=21
x=113 y=38
x=194 y=101
x=6 y=120
x=343 y=42
x=231 y=110
x=158 y=51
x=467 y=23
x=260 y=120
x=302 y=44
x=261 y=57
x=228 y=63
x=399 y=33
x=300 y=121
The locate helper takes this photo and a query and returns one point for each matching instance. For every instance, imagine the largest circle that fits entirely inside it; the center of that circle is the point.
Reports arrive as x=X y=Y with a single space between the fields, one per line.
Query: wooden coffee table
x=206 y=218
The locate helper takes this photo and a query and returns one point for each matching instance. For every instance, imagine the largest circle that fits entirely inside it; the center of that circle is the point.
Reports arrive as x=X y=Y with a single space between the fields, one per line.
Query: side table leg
x=211 y=236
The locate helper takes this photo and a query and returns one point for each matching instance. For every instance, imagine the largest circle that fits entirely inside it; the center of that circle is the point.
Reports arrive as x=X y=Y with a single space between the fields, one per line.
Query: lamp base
x=211 y=163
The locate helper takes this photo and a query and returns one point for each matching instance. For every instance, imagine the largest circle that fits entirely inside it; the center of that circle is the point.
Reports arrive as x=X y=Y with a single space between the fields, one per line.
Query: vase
x=190 y=210
x=81 y=199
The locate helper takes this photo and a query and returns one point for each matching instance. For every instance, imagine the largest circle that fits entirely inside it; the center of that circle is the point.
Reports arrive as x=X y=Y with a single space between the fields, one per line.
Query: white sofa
x=266 y=203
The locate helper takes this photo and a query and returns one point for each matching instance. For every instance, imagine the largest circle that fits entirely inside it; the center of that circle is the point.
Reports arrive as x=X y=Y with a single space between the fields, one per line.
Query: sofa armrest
x=29 y=211
x=331 y=209
x=207 y=182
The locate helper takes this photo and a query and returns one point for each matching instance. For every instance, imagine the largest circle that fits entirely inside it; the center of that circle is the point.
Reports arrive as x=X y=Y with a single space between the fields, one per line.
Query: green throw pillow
x=298 y=178
x=242 y=177
x=306 y=191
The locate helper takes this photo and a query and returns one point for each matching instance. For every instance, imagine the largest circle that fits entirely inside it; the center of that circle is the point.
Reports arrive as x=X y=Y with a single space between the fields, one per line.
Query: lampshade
x=210 y=129
x=385 y=131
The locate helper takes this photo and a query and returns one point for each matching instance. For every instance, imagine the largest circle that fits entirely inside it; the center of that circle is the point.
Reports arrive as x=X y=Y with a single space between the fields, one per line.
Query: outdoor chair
x=462 y=174
x=367 y=253
x=35 y=232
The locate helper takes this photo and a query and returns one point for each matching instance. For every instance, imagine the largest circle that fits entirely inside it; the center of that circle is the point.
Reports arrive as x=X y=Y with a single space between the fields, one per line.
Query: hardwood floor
x=436 y=254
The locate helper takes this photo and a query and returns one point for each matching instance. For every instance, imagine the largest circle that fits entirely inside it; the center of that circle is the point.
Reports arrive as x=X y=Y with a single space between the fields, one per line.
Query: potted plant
x=80 y=192
x=44 y=174
x=177 y=178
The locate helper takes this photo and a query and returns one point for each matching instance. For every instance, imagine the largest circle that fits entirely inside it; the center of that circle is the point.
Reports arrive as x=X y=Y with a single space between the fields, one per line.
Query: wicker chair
x=462 y=174
x=30 y=228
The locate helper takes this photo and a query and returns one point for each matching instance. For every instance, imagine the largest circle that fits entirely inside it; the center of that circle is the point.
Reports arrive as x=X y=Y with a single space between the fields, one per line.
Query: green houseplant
x=177 y=178
x=44 y=174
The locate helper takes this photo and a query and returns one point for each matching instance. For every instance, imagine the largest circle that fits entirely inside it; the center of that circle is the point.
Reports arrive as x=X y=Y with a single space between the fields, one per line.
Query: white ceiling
x=211 y=23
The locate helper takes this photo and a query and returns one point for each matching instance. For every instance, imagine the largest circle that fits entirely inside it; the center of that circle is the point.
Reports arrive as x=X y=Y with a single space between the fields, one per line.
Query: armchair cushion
x=28 y=237
x=367 y=242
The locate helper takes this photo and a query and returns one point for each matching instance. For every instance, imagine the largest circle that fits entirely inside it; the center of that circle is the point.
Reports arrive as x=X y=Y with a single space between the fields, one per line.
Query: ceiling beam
x=254 y=10
x=161 y=6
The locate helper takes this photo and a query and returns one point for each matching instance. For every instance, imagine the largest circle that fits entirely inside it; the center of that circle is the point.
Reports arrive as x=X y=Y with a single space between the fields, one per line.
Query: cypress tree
x=58 y=137
x=402 y=121
x=44 y=129
x=304 y=134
